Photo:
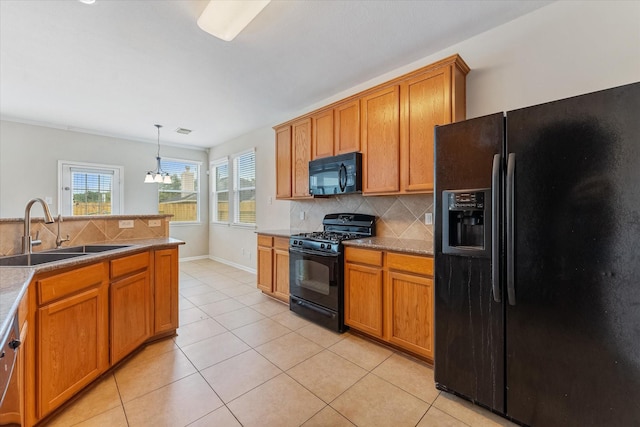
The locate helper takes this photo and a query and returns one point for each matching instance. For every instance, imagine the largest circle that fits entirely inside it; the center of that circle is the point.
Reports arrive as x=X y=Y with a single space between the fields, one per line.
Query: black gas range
x=316 y=282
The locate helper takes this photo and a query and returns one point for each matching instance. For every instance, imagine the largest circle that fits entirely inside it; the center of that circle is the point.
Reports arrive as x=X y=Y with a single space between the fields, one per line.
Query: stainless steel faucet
x=48 y=219
x=60 y=241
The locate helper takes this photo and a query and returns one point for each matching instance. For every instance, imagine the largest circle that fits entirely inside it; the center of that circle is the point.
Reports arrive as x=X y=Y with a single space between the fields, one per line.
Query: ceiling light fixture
x=87 y=1
x=226 y=18
x=158 y=175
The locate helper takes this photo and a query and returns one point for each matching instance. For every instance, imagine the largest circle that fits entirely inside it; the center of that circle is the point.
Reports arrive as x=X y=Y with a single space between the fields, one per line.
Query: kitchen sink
x=35 y=259
x=86 y=249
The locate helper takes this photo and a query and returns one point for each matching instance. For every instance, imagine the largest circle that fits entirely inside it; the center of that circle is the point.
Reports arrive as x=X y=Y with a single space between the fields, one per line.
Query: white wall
x=237 y=245
x=564 y=49
x=29 y=168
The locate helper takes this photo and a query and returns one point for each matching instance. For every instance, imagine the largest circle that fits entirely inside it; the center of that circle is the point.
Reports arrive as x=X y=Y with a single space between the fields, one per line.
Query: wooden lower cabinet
x=72 y=334
x=390 y=296
x=409 y=322
x=165 y=291
x=84 y=320
x=363 y=297
x=129 y=308
x=265 y=263
x=273 y=266
x=281 y=272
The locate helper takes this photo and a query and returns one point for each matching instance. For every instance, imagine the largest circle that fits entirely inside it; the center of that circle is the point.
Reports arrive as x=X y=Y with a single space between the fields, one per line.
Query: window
x=241 y=172
x=244 y=191
x=181 y=198
x=89 y=189
x=220 y=187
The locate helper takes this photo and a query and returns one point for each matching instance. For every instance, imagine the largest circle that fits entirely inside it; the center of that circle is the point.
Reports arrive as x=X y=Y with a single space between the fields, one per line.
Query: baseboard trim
x=193 y=258
x=233 y=264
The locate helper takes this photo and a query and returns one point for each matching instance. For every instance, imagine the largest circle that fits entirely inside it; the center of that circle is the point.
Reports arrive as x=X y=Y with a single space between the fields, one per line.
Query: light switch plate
x=125 y=223
x=155 y=223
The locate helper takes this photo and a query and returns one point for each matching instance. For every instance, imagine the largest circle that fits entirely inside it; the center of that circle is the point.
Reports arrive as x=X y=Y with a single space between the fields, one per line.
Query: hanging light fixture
x=158 y=175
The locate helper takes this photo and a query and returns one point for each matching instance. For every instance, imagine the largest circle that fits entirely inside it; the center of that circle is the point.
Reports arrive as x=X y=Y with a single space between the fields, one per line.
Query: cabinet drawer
x=130 y=264
x=363 y=256
x=265 y=240
x=281 y=243
x=61 y=285
x=410 y=263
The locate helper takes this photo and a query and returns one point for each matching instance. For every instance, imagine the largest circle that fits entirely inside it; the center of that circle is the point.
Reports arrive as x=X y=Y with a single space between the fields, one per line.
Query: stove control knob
x=295 y=242
x=329 y=247
x=321 y=245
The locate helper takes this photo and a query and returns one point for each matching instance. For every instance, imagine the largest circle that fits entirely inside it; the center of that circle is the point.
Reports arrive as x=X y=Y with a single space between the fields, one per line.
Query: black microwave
x=336 y=175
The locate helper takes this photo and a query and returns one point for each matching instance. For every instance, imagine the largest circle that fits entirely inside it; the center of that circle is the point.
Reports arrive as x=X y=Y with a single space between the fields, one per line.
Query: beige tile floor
x=243 y=359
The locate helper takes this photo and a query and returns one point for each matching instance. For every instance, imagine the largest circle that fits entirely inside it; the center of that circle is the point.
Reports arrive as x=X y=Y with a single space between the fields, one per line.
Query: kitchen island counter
x=14 y=281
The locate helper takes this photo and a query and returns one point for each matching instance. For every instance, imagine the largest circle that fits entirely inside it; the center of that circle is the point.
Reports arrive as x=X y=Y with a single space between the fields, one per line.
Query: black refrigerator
x=537 y=260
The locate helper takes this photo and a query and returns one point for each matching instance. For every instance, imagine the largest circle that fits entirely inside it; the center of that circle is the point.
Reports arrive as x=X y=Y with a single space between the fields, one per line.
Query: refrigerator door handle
x=495 y=227
x=510 y=223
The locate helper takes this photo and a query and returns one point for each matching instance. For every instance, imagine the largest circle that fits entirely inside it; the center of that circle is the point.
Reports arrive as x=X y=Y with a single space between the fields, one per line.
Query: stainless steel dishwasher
x=10 y=407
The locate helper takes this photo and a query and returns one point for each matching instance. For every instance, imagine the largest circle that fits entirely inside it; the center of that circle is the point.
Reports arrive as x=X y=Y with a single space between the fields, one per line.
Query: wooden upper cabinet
x=322 y=141
x=380 y=130
x=426 y=103
x=347 y=127
x=283 y=162
x=301 y=148
x=391 y=124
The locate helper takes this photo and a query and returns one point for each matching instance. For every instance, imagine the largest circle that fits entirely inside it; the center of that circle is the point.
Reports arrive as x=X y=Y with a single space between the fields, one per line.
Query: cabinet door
x=129 y=301
x=426 y=102
x=265 y=268
x=363 y=298
x=347 y=127
x=409 y=312
x=281 y=274
x=301 y=134
x=283 y=162
x=73 y=346
x=165 y=290
x=322 y=141
x=381 y=141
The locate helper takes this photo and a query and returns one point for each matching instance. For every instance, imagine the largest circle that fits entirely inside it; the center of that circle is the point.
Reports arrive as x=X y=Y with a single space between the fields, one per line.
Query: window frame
x=65 y=173
x=197 y=192
x=213 y=165
x=236 y=189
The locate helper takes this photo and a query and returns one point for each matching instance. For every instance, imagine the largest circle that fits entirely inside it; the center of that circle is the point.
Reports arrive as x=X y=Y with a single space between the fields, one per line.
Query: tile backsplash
x=81 y=230
x=397 y=216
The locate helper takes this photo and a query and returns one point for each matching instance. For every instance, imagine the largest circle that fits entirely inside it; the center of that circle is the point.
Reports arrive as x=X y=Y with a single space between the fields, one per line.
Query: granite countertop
x=278 y=233
x=14 y=281
x=410 y=246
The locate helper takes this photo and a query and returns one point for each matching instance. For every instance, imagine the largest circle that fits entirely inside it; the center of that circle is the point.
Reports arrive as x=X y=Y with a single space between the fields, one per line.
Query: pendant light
x=158 y=175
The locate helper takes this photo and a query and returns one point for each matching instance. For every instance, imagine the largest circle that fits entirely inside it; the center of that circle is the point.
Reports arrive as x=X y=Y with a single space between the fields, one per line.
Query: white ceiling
x=117 y=67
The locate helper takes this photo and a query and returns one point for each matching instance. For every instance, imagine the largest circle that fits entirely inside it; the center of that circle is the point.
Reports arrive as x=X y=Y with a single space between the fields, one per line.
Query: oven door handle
x=314 y=252
x=319 y=310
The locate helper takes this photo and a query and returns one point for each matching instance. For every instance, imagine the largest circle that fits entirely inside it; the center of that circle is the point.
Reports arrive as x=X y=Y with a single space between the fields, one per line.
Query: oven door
x=315 y=276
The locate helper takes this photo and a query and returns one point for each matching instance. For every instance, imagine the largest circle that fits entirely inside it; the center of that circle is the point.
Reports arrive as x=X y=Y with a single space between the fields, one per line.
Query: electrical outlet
x=125 y=223
x=155 y=223
x=48 y=200
x=303 y=214
x=270 y=200
x=428 y=218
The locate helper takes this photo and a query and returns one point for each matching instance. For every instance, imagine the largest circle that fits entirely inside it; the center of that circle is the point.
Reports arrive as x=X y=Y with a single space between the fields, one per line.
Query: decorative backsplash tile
x=397 y=216
x=81 y=231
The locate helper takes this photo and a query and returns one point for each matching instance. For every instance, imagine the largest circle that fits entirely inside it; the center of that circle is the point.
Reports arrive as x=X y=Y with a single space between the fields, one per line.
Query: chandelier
x=158 y=175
